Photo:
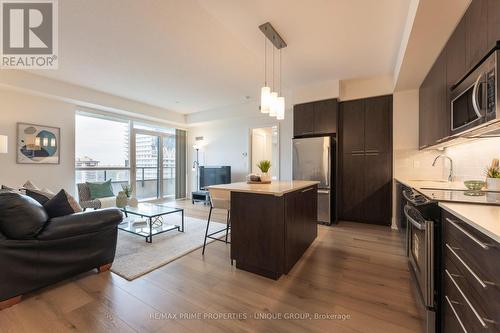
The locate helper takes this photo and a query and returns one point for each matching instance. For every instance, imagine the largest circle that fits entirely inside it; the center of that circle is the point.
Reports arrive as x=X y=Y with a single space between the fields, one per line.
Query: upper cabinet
x=353 y=126
x=315 y=118
x=476 y=19
x=303 y=119
x=456 y=64
x=434 y=123
x=325 y=116
x=493 y=22
x=378 y=124
x=475 y=35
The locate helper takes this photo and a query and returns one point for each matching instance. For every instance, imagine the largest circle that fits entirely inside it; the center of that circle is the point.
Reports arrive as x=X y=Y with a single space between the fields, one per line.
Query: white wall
x=18 y=107
x=227 y=131
x=227 y=141
x=366 y=87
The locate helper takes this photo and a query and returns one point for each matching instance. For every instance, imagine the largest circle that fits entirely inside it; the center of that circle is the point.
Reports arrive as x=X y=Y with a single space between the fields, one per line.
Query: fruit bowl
x=474 y=185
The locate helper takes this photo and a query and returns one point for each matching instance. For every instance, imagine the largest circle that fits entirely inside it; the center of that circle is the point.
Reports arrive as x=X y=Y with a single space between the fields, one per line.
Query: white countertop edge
x=266 y=192
x=476 y=225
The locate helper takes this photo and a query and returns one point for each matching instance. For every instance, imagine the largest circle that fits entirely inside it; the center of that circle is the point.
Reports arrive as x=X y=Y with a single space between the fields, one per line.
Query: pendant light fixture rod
x=265 y=62
x=271 y=34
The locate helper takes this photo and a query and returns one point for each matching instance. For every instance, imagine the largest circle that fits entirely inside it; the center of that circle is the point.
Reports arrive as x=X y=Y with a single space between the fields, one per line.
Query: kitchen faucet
x=450 y=176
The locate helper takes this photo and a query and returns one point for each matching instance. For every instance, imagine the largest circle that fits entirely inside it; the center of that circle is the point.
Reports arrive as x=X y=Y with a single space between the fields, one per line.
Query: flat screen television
x=214 y=175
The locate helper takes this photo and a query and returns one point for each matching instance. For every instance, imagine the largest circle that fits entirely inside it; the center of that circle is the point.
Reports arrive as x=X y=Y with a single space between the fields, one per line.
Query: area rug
x=134 y=257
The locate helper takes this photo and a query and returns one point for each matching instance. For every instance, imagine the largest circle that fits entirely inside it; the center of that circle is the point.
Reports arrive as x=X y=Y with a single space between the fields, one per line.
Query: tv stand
x=200 y=196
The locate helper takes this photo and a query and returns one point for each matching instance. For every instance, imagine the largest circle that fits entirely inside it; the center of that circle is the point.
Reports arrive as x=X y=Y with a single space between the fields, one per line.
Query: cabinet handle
x=357 y=151
x=455 y=313
x=308 y=189
x=372 y=151
x=481 y=321
x=371 y=154
x=477 y=241
x=466 y=266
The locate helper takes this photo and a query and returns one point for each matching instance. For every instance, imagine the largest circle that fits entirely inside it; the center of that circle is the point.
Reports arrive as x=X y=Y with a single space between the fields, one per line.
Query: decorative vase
x=121 y=200
x=265 y=177
x=493 y=184
x=133 y=202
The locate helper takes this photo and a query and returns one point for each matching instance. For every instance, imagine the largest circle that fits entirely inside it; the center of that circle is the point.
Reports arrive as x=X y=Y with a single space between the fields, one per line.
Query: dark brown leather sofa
x=36 y=251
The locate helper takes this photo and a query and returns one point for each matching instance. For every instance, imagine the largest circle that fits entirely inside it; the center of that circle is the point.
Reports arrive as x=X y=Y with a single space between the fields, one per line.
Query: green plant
x=127 y=189
x=493 y=171
x=264 y=165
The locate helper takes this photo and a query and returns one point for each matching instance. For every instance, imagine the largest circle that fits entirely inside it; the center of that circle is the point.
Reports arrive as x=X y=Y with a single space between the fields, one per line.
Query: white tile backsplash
x=470 y=160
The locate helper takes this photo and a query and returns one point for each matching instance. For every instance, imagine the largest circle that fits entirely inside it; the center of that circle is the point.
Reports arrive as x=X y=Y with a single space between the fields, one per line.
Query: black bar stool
x=219 y=199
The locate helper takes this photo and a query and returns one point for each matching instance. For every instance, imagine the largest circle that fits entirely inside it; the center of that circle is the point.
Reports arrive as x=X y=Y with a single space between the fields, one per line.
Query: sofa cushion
x=21 y=217
x=39 y=195
x=62 y=204
x=100 y=190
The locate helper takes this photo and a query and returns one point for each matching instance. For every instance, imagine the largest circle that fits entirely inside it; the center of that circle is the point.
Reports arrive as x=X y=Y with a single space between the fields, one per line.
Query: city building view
x=103 y=153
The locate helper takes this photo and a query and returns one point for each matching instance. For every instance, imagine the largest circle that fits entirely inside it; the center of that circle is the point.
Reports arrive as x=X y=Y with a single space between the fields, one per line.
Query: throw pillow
x=21 y=217
x=100 y=190
x=62 y=204
x=39 y=195
x=7 y=189
x=30 y=186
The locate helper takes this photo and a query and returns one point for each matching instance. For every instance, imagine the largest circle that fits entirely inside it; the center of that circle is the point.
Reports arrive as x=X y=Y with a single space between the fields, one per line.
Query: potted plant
x=129 y=190
x=264 y=167
x=493 y=176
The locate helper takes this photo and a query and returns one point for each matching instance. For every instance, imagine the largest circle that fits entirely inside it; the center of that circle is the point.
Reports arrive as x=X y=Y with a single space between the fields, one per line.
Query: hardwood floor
x=355 y=271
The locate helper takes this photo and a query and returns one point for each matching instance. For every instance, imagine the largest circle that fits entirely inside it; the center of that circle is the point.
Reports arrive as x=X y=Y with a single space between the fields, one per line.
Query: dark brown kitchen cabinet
x=366 y=163
x=303 y=119
x=475 y=35
x=378 y=187
x=456 y=65
x=300 y=228
x=434 y=123
x=353 y=187
x=493 y=22
x=471 y=282
x=377 y=124
x=325 y=116
x=476 y=19
x=315 y=118
x=353 y=126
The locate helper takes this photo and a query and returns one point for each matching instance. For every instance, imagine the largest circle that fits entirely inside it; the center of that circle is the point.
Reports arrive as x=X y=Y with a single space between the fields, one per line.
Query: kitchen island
x=272 y=225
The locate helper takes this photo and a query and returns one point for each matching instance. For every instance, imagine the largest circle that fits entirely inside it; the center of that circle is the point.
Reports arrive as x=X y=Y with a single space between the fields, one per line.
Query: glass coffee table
x=151 y=220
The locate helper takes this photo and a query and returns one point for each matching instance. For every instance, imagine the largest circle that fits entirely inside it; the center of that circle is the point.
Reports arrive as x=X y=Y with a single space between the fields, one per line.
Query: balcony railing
x=147 y=185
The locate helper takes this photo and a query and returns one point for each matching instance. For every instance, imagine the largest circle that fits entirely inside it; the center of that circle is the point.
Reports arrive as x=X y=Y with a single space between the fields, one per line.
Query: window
x=102 y=150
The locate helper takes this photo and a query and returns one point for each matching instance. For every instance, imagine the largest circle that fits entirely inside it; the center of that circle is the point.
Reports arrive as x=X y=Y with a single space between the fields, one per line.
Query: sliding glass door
x=154 y=165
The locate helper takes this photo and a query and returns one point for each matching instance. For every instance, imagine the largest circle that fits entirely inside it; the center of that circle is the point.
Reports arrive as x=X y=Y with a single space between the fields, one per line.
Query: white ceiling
x=189 y=56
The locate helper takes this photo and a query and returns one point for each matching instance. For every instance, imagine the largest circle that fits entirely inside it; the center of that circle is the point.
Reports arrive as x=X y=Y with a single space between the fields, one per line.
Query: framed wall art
x=38 y=144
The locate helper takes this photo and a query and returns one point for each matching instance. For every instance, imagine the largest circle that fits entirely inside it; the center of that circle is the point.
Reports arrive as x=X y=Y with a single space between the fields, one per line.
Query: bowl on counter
x=474 y=185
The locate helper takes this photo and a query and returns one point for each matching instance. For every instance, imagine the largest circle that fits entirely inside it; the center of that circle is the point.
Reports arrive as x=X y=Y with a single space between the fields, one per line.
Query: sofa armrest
x=81 y=223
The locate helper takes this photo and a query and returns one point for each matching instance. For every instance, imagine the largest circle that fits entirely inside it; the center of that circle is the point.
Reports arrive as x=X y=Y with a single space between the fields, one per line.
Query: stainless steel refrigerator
x=312 y=160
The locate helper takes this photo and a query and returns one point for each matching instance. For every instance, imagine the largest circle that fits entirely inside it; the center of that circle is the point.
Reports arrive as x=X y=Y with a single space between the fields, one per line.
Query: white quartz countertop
x=482 y=217
x=277 y=188
x=485 y=218
x=432 y=184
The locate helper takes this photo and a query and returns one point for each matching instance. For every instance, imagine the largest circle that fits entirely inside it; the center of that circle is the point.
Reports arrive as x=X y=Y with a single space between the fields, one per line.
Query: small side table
x=200 y=196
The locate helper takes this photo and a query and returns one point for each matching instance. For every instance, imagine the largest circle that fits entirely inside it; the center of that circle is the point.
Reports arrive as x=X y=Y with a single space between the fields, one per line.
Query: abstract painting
x=38 y=144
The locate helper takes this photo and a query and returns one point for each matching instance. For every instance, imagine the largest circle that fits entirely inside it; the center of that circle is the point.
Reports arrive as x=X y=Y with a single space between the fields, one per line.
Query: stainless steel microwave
x=474 y=101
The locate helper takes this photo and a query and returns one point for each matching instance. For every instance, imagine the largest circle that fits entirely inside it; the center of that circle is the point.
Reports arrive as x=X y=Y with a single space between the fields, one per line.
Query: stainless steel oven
x=474 y=100
x=421 y=259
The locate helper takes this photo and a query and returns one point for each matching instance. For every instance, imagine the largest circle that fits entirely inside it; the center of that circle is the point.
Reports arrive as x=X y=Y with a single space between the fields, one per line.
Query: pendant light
x=265 y=92
x=270 y=101
x=280 y=103
x=274 y=96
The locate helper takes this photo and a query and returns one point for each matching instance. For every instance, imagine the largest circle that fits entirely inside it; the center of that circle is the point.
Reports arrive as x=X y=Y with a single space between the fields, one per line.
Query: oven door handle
x=475 y=103
x=417 y=225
